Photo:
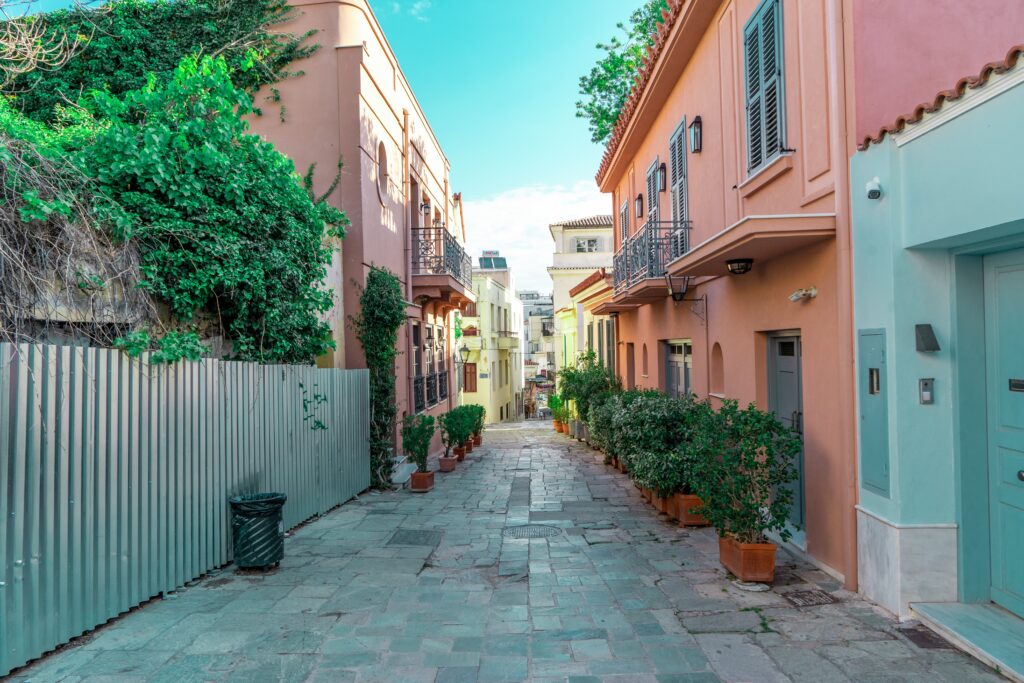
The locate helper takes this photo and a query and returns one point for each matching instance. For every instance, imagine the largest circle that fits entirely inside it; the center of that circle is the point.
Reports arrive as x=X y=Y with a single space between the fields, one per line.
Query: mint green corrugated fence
x=115 y=475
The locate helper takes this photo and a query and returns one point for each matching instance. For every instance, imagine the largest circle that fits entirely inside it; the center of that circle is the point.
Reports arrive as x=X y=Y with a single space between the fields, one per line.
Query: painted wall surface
x=950 y=38
x=499 y=362
x=903 y=271
x=701 y=72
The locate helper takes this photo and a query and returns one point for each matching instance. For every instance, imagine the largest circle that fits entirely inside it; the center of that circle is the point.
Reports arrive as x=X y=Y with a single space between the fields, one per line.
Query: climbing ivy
x=124 y=41
x=381 y=315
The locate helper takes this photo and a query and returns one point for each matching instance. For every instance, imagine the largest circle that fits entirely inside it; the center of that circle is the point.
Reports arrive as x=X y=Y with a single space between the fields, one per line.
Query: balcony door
x=679 y=359
x=785 y=399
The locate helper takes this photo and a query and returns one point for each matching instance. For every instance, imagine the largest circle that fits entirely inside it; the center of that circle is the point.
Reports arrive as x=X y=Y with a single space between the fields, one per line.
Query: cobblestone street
x=432 y=588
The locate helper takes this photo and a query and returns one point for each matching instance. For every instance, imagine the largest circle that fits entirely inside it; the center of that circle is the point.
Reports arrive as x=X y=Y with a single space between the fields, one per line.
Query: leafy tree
x=605 y=89
x=119 y=44
x=230 y=238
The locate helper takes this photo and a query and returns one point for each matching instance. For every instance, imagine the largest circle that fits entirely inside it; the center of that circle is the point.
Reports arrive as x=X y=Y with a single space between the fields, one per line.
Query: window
x=471 y=310
x=624 y=221
x=417 y=353
x=469 y=376
x=590 y=336
x=586 y=244
x=652 y=192
x=678 y=238
x=382 y=171
x=766 y=120
x=600 y=341
x=643 y=361
x=609 y=329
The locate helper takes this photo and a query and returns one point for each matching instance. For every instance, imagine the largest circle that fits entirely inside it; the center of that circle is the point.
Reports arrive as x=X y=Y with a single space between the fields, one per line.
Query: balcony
x=429 y=390
x=639 y=266
x=441 y=268
x=508 y=340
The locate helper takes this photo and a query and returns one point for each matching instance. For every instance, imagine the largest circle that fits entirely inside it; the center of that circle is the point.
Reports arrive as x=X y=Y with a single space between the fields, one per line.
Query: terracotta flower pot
x=478 y=439
x=460 y=453
x=421 y=482
x=557 y=425
x=447 y=464
x=660 y=504
x=468 y=445
x=646 y=493
x=564 y=427
x=754 y=562
x=682 y=504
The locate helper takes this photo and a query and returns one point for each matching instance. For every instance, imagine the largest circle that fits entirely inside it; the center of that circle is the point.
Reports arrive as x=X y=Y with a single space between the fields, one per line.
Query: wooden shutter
x=469 y=376
x=624 y=221
x=652 y=192
x=762 y=41
x=680 y=209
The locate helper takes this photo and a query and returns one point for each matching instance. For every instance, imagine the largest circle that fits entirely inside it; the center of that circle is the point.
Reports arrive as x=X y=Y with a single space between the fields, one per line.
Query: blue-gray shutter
x=678 y=238
x=762 y=41
x=652 y=192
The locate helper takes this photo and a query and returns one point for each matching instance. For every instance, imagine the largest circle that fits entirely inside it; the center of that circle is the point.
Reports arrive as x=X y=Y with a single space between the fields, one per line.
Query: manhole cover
x=809 y=598
x=427 y=537
x=925 y=638
x=530 y=531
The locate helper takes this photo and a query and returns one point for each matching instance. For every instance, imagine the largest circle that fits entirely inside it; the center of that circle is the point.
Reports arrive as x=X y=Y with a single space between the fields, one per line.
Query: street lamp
x=464 y=353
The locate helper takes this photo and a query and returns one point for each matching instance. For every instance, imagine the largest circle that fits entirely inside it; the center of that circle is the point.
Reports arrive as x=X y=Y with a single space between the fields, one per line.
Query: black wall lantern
x=464 y=353
x=677 y=287
x=639 y=205
x=696 y=135
x=739 y=266
x=662 y=178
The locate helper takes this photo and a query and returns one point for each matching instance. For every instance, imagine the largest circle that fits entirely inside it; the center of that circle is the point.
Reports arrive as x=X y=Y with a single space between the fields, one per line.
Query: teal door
x=1004 y=320
x=785 y=399
x=874 y=411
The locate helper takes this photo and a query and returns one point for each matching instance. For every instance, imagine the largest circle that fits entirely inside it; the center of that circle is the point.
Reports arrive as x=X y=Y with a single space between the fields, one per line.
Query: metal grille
x=809 y=598
x=423 y=537
x=646 y=254
x=531 y=531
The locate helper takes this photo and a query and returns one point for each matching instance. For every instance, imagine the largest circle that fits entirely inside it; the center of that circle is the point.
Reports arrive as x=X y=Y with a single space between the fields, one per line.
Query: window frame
x=756 y=22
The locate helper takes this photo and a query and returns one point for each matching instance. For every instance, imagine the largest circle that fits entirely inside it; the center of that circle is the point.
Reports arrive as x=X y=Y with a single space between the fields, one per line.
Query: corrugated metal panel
x=115 y=475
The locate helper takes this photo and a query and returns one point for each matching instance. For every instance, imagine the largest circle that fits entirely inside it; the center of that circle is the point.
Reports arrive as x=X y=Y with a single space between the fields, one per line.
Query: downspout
x=407 y=220
x=844 y=278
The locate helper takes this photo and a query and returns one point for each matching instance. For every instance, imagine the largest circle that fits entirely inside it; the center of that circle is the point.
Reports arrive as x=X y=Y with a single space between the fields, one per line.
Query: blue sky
x=498 y=82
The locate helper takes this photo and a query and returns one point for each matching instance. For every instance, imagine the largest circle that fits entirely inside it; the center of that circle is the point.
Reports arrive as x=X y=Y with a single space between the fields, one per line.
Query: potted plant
x=455 y=427
x=479 y=414
x=417 y=431
x=555 y=404
x=745 y=465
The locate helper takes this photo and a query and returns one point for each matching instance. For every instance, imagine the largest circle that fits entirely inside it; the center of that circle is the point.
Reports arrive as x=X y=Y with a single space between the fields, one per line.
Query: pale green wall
x=953 y=190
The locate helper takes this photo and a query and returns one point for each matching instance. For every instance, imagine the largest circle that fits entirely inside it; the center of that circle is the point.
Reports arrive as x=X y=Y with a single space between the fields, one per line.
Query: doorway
x=785 y=399
x=1004 y=328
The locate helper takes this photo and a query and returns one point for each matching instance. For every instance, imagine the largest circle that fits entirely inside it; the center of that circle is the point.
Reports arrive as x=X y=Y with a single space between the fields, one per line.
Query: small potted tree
x=454 y=432
x=417 y=430
x=479 y=415
x=555 y=404
x=745 y=465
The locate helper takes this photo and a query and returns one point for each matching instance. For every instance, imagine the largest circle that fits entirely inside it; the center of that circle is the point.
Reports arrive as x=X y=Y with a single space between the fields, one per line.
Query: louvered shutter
x=624 y=221
x=652 y=192
x=762 y=40
x=680 y=210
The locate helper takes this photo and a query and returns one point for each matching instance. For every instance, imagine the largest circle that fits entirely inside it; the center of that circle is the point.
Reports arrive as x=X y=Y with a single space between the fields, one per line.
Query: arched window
x=382 y=171
x=643 y=361
x=717 y=370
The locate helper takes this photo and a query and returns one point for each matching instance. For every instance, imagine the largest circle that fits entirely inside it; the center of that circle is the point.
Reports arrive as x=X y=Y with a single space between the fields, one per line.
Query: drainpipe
x=837 y=59
x=406 y=220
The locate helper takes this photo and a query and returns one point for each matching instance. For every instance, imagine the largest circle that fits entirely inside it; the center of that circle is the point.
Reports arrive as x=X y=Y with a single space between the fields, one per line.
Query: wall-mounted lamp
x=425 y=208
x=639 y=203
x=926 y=341
x=662 y=178
x=802 y=294
x=696 y=135
x=464 y=353
x=677 y=287
x=739 y=266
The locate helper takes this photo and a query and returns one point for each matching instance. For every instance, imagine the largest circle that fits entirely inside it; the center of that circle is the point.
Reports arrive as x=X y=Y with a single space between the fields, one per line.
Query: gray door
x=785 y=399
x=677 y=373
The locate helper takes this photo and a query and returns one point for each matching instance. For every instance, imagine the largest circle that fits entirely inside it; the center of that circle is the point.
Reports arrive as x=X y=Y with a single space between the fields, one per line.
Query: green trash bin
x=257 y=530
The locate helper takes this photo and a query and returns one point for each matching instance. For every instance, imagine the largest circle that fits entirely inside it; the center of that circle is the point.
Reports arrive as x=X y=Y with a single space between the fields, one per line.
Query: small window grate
x=531 y=531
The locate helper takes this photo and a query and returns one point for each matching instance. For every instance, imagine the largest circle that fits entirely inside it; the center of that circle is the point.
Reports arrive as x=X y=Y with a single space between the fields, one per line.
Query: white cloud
x=416 y=10
x=515 y=222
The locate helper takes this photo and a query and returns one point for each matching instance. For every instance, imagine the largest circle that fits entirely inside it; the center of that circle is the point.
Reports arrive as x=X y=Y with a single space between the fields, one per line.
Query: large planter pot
x=753 y=562
x=468 y=445
x=447 y=464
x=460 y=453
x=557 y=425
x=478 y=439
x=421 y=482
x=564 y=427
x=646 y=493
x=660 y=504
x=572 y=428
x=680 y=508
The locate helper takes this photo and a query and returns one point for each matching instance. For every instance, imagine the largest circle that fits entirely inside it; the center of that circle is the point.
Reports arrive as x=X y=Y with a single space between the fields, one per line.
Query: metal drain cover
x=809 y=598
x=531 y=531
x=424 y=537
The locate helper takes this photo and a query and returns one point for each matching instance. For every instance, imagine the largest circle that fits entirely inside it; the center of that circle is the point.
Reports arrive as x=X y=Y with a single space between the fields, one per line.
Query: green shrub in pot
x=743 y=462
x=456 y=427
x=417 y=431
x=478 y=413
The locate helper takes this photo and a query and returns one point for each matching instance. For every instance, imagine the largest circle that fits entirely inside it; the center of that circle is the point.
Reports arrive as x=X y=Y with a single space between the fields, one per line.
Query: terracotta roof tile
x=596 y=276
x=669 y=18
x=958 y=90
x=601 y=221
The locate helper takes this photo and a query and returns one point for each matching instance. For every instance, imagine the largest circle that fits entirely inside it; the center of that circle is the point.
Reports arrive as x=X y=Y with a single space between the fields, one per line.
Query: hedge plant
x=456 y=427
x=417 y=431
x=583 y=381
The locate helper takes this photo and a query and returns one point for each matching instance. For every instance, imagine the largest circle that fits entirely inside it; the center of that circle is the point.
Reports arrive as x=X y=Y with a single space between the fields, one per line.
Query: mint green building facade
x=938 y=239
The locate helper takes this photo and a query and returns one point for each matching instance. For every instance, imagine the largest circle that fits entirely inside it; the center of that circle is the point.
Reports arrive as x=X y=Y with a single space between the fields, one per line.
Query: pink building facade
x=353 y=103
x=728 y=173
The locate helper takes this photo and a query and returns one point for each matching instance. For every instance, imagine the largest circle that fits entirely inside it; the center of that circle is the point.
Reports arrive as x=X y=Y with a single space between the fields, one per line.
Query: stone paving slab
x=403 y=587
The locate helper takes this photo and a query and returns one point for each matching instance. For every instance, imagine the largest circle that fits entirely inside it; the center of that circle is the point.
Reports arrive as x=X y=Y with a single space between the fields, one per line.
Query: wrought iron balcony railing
x=436 y=252
x=646 y=254
x=429 y=390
